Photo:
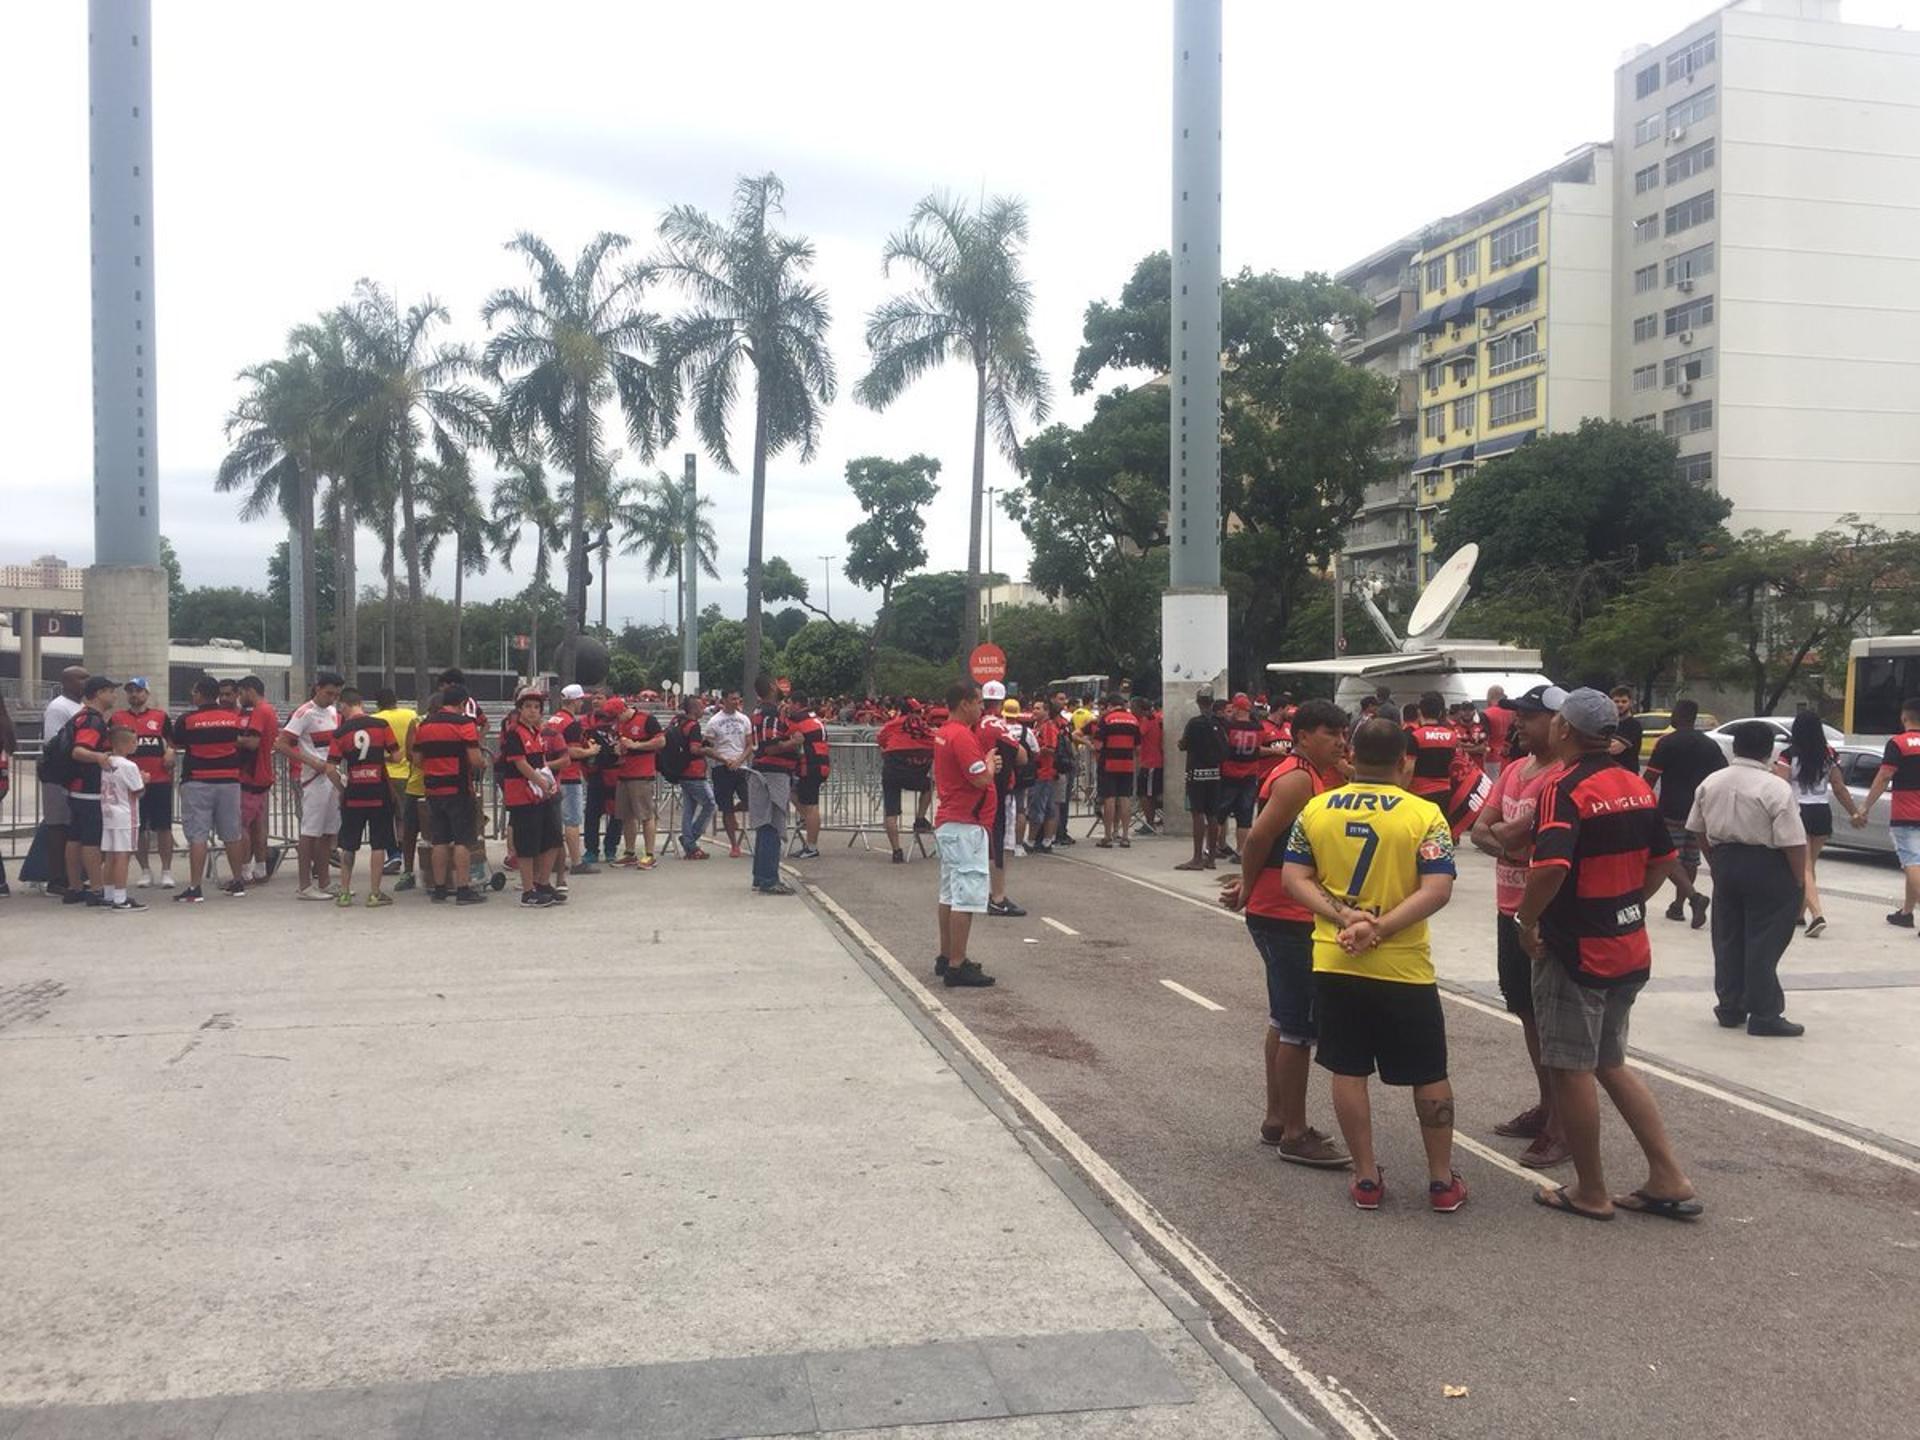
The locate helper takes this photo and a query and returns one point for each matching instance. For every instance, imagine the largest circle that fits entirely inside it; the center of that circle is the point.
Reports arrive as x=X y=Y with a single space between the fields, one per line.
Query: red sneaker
x=734 y=853
x=1449 y=1197
x=695 y=854
x=1367 y=1194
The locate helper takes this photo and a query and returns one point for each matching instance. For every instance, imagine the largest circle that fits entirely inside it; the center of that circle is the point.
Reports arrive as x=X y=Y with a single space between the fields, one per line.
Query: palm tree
x=751 y=305
x=569 y=345
x=522 y=500
x=971 y=302
x=657 y=518
x=453 y=513
x=402 y=388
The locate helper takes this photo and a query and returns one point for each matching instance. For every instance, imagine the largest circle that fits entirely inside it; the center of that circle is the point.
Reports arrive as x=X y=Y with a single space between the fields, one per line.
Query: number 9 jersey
x=1370 y=844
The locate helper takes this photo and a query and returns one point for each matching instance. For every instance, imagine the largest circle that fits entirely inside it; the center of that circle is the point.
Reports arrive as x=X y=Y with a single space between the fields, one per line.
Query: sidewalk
x=1857 y=988
x=665 y=1162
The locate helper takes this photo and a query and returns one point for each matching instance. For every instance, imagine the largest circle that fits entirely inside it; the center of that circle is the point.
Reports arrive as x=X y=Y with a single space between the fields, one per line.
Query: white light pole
x=826 y=564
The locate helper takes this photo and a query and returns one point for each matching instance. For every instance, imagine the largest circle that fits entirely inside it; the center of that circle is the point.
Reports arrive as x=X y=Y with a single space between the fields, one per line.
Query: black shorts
x=1818 y=820
x=373 y=822
x=535 y=829
x=1150 y=784
x=156 y=807
x=1366 y=1023
x=806 y=790
x=1203 y=797
x=894 y=778
x=83 y=826
x=1236 y=800
x=1116 y=784
x=729 y=787
x=450 y=819
x=1515 y=966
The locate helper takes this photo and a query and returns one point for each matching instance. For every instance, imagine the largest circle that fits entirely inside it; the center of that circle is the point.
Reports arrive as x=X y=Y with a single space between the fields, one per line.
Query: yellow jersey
x=1370 y=844
x=401 y=722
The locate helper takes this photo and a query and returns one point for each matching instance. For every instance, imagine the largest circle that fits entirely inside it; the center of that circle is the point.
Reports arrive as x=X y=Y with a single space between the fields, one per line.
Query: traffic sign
x=988 y=662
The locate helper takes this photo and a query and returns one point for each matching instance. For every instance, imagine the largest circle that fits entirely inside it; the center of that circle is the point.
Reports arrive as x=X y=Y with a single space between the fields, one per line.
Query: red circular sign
x=988 y=662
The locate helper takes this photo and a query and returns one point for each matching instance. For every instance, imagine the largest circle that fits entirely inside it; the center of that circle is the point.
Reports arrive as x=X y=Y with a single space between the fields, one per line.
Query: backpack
x=676 y=754
x=56 y=756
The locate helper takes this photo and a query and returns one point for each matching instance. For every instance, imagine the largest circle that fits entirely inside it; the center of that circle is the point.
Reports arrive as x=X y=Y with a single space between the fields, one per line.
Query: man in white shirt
x=304 y=740
x=726 y=732
x=55 y=812
x=1751 y=833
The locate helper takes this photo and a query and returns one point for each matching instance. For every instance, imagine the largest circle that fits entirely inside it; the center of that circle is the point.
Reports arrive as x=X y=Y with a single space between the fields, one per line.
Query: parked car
x=1722 y=735
x=1858 y=765
x=1655 y=723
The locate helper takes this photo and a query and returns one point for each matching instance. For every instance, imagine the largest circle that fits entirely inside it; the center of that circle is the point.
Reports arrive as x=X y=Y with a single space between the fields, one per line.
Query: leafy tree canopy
x=824 y=660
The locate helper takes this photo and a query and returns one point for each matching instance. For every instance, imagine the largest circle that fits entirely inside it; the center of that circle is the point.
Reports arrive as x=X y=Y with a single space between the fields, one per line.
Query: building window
x=1647 y=129
x=1463 y=370
x=1466 y=262
x=1690 y=265
x=1689 y=59
x=1433 y=422
x=1645 y=328
x=1646 y=277
x=1647 y=422
x=1690 y=162
x=1463 y=412
x=1434 y=372
x=1510 y=352
x=1437 y=273
x=1687 y=419
x=1646 y=81
x=1645 y=228
x=1694 y=210
x=1645 y=377
x=1498 y=315
x=1690 y=316
x=1513 y=243
x=1694 y=108
x=1697 y=468
x=1691 y=365
x=1645 y=180
x=1514 y=401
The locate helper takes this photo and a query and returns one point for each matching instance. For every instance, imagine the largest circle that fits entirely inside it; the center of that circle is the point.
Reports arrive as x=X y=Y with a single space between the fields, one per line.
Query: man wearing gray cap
x=1600 y=849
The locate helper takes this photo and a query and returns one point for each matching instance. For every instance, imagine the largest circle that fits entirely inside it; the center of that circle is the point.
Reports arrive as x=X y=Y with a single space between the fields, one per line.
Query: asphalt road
x=1793 y=1308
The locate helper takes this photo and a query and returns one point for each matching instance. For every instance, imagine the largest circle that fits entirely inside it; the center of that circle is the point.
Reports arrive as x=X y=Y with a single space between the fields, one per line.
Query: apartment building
x=1767 y=260
x=1379 y=544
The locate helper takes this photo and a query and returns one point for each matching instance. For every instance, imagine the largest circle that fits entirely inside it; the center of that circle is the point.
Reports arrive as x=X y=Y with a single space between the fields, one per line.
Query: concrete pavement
x=667 y=1161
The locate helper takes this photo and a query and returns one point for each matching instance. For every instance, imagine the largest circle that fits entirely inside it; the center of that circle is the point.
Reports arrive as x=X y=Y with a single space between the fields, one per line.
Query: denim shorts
x=573 y=805
x=1040 y=801
x=1906 y=844
x=1287 y=948
x=963 y=866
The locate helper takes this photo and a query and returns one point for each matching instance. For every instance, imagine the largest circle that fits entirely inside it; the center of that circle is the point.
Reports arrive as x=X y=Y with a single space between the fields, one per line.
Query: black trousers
x=1755 y=904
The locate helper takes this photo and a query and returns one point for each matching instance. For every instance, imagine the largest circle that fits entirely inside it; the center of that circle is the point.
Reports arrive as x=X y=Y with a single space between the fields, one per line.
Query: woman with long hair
x=1810 y=766
x=8 y=742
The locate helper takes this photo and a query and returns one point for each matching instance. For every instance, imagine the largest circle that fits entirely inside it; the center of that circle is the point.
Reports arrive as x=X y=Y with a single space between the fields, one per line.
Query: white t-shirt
x=120 y=783
x=726 y=735
x=312 y=728
x=59 y=710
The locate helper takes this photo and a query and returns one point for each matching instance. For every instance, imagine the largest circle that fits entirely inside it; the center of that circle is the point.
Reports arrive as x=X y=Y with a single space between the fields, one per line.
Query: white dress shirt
x=1747 y=804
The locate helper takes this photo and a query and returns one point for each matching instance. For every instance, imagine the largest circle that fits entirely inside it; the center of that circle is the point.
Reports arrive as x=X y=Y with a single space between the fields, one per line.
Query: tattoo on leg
x=1434 y=1114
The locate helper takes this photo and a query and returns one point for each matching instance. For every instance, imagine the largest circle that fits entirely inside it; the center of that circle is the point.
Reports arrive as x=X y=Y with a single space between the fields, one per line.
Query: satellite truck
x=1425 y=659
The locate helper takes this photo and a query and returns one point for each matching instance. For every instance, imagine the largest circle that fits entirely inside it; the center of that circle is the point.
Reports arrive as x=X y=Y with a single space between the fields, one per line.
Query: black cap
x=1540 y=700
x=96 y=683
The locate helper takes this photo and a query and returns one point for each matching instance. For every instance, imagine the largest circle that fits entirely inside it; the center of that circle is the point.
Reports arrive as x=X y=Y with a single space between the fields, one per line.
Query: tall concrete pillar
x=126 y=588
x=690 y=569
x=1193 y=611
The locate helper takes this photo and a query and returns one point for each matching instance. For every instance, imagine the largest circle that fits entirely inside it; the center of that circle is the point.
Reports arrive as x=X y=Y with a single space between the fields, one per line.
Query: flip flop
x=1191 y=865
x=1641 y=1203
x=1557 y=1199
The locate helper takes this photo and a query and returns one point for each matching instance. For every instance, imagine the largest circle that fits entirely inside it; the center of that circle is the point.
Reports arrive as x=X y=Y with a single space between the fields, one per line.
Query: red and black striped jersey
x=360 y=748
x=207 y=738
x=1600 y=824
x=519 y=742
x=813 y=745
x=442 y=740
x=1903 y=757
x=770 y=728
x=1269 y=898
x=1117 y=732
x=560 y=731
x=1242 y=736
x=1434 y=743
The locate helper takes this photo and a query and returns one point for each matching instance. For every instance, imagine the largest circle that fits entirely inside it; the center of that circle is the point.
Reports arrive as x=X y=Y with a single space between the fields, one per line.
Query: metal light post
x=1193 y=611
x=690 y=567
x=826 y=565
x=991 y=492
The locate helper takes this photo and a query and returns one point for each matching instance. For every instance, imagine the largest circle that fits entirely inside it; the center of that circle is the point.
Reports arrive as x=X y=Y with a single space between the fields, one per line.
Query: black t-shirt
x=1206 y=747
x=1684 y=758
x=1628 y=729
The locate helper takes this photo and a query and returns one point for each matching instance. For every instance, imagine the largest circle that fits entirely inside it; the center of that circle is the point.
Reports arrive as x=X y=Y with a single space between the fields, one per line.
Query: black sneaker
x=554 y=896
x=1678 y=909
x=1902 y=918
x=536 y=899
x=777 y=888
x=940 y=966
x=128 y=905
x=968 y=976
x=97 y=901
x=189 y=896
x=81 y=896
x=439 y=895
x=899 y=857
x=1005 y=909
x=1063 y=840
x=235 y=888
x=467 y=895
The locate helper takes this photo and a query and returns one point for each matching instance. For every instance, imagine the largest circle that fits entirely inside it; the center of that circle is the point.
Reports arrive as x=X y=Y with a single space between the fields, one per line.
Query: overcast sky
x=299 y=147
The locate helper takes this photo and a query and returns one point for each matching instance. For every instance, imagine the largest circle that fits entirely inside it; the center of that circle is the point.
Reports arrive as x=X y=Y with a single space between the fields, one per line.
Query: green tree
x=176 y=582
x=658 y=519
x=780 y=581
x=279 y=588
x=971 y=302
x=723 y=651
x=1042 y=644
x=453 y=514
x=522 y=503
x=229 y=612
x=783 y=625
x=890 y=544
x=926 y=614
x=751 y=306
x=573 y=343
x=824 y=660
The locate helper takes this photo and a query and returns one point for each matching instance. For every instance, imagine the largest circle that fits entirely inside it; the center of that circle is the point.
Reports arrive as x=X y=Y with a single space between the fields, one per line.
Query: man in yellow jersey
x=400 y=719
x=1371 y=861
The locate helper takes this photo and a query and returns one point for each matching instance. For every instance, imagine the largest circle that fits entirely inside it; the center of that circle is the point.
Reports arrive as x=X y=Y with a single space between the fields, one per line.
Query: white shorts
x=963 y=866
x=116 y=839
x=319 y=809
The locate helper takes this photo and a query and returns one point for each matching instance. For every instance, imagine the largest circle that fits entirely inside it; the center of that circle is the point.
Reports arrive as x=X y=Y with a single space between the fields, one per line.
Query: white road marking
x=1063 y=929
x=1645 y=1066
x=1193 y=995
x=1494 y=1157
x=1352 y=1418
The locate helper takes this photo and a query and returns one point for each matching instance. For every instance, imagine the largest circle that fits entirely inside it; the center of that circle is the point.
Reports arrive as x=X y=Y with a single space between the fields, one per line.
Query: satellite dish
x=1442 y=598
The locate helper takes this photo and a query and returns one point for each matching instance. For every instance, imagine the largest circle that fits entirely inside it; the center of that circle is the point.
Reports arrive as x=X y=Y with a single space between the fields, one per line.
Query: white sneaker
x=145 y=881
x=314 y=892
x=166 y=880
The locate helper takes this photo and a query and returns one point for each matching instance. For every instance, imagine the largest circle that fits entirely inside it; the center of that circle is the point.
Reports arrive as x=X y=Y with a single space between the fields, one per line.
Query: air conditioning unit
x=1683 y=286
x=1686 y=337
x=1677 y=134
x=1466 y=429
x=1685 y=387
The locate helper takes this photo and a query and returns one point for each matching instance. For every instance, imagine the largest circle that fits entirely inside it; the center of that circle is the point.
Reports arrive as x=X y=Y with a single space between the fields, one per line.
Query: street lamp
x=826 y=562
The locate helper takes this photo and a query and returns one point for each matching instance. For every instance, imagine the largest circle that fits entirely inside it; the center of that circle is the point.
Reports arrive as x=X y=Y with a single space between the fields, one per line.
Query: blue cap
x=137 y=682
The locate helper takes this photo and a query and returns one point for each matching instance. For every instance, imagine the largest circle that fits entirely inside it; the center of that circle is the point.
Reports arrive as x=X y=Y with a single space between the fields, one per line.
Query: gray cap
x=1590 y=713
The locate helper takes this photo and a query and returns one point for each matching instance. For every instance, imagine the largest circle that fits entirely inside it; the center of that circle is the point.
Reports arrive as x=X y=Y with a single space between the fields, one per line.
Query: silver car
x=1858 y=765
x=1722 y=735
